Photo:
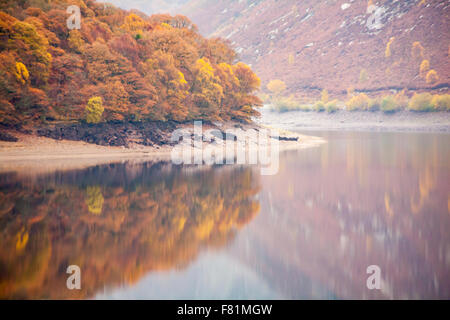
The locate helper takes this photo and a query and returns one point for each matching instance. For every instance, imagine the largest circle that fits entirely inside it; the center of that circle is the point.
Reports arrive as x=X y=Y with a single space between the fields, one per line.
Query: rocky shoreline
x=112 y=133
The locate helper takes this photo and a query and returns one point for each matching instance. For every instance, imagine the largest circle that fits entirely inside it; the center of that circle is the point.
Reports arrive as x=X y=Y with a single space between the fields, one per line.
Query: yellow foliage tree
x=75 y=41
x=358 y=102
x=441 y=102
x=388 y=52
x=135 y=24
x=276 y=86
x=432 y=77
x=421 y=102
x=424 y=68
x=94 y=110
x=208 y=91
x=21 y=73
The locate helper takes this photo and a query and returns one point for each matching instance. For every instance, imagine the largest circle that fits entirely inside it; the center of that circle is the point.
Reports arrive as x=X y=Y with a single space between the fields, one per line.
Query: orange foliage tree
x=143 y=67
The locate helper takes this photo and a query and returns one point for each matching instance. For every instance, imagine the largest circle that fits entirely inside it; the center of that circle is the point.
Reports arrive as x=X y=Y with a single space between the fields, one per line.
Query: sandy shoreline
x=41 y=154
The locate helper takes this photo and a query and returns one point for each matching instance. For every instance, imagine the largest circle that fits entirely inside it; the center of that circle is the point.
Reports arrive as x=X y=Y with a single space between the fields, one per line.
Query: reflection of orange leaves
x=426 y=185
x=22 y=239
x=387 y=205
x=448 y=205
x=251 y=211
x=126 y=241
x=203 y=230
x=35 y=219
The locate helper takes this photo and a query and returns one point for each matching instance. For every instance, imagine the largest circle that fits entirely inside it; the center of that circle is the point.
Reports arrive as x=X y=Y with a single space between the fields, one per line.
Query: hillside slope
x=335 y=45
x=149 y=7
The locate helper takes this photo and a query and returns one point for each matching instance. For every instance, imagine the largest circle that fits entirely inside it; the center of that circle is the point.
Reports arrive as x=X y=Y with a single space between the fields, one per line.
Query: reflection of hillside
x=355 y=203
x=116 y=222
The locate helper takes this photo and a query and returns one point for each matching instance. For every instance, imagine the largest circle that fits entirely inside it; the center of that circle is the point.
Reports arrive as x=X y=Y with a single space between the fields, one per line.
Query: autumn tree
x=248 y=84
x=207 y=91
x=388 y=50
x=94 y=110
x=163 y=74
x=21 y=74
x=135 y=24
x=144 y=68
x=75 y=41
x=432 y=77
x=276 y=86
x=29 y=46
x=424 y=68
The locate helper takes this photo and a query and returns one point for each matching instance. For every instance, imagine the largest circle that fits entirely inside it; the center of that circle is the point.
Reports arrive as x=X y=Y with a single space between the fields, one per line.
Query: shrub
x=94 y=110
x=421 y=102
x=441 y=102
x=319 y=106
x=432 y=77
x=358 y=102
x=285 y=104
x=374 y=104
x=401 y=99
x=331 y=106
x=305 y=107
x=389 y=105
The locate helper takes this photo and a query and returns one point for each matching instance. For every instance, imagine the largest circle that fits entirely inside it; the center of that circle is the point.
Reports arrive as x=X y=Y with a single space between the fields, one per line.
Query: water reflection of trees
x=117 y=222
x=374 y=199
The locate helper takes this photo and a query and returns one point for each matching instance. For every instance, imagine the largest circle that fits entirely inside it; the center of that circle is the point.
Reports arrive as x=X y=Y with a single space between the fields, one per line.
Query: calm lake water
x=153 y=231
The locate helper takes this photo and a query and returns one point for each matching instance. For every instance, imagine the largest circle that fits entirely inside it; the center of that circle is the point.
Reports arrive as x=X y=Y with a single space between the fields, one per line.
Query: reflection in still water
x=362 y=199
x=143 y=230
x=117 y=222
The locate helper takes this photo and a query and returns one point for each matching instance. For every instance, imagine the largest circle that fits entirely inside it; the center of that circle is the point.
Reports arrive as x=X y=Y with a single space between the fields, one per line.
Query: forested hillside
x=119 y=66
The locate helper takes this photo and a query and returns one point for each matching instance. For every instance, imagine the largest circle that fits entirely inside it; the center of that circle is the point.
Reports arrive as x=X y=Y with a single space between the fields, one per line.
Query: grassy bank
x=419 y=102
